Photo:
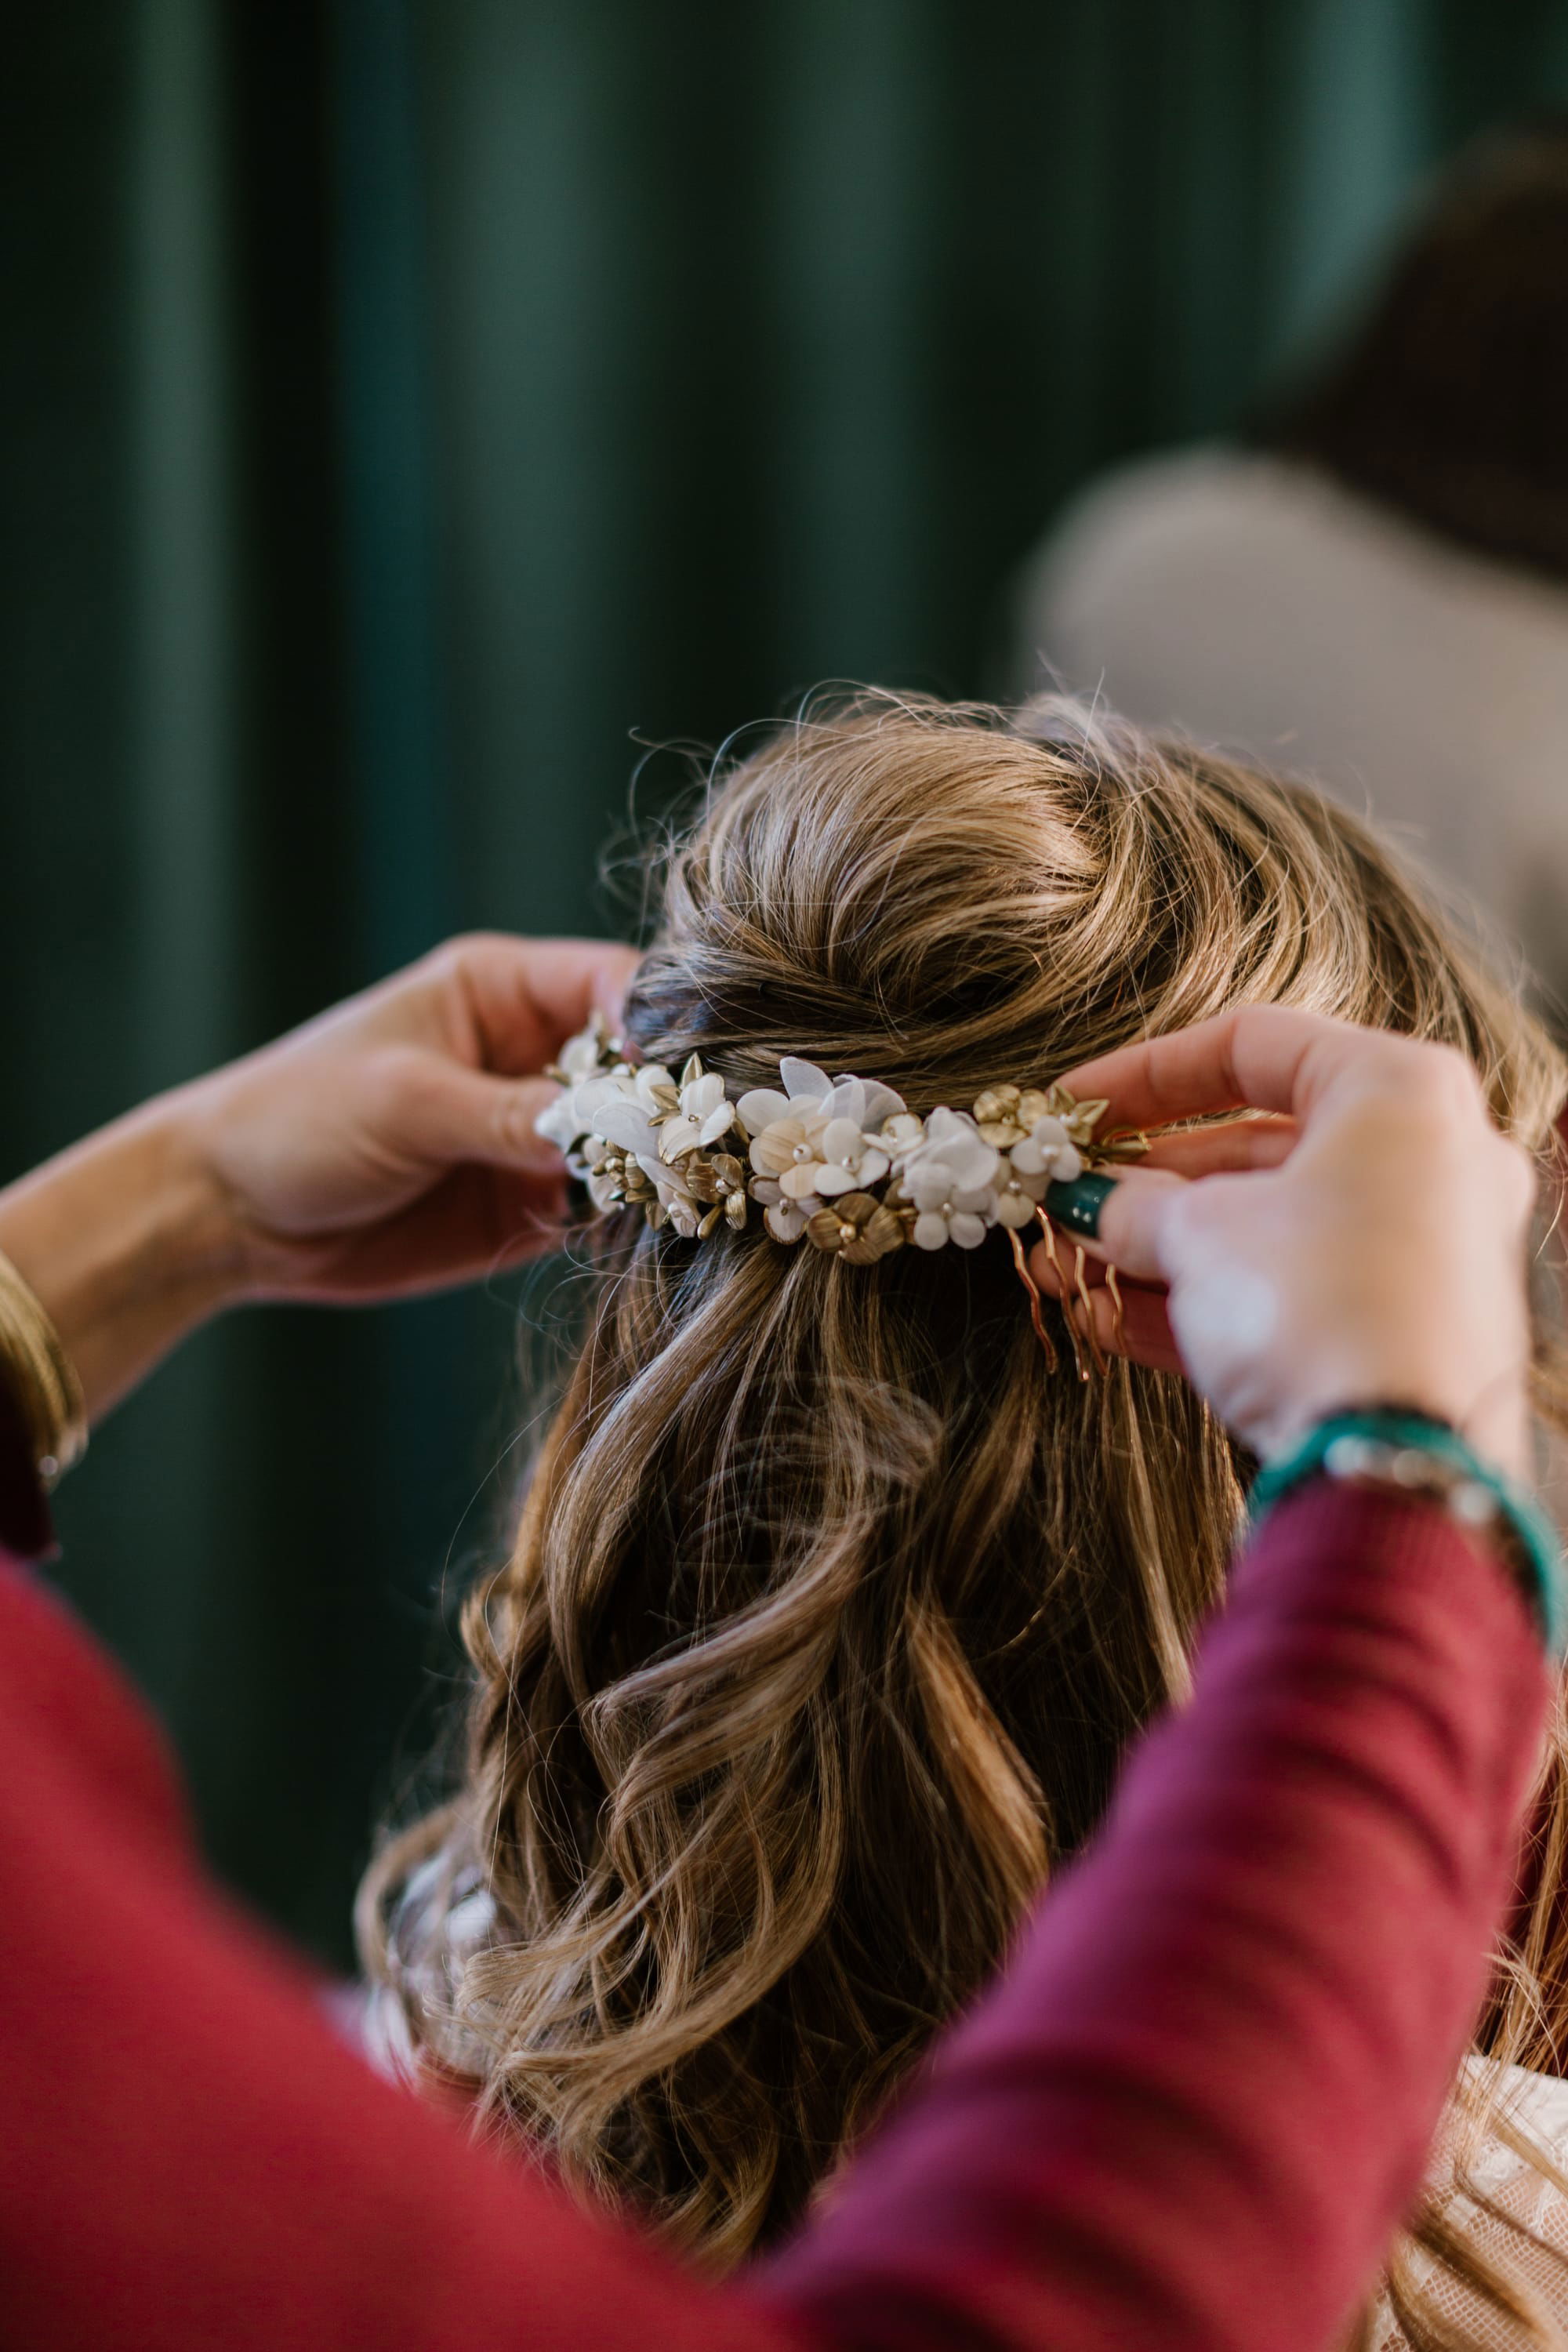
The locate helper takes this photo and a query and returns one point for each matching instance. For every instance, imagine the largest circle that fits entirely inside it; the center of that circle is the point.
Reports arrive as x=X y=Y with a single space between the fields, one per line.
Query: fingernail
x=1078 y=1205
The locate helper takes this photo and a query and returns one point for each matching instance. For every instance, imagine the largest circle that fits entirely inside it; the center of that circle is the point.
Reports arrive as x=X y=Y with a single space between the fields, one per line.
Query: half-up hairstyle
x=830 y=1611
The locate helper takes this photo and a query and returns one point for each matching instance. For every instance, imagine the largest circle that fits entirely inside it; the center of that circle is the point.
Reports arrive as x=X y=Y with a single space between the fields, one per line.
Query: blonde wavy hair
x=830 y=1613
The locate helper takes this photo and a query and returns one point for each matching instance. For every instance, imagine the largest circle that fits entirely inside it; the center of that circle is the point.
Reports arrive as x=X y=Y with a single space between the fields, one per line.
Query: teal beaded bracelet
x=1409 y=1452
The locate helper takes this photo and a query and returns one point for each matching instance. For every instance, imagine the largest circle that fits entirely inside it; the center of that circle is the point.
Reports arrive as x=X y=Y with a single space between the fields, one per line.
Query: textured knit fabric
x=1508 y=2211
x=1204 y=2090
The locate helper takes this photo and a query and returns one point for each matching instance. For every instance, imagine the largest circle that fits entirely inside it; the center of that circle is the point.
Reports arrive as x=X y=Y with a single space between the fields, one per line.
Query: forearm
x=126 y=1242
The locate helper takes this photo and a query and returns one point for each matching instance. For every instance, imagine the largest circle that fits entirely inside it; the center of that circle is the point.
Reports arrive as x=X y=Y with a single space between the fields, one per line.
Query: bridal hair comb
x=840 y=1162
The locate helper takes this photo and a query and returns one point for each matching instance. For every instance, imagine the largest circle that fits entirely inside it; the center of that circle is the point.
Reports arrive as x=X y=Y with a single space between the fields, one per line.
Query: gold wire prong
x=1049 y=1231
x=1119 y=1327
x=1020 y=1259
x=1080 y=1261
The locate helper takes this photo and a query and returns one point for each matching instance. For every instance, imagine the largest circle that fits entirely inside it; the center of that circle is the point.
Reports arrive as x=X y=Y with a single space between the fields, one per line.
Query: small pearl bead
x=803 y=1151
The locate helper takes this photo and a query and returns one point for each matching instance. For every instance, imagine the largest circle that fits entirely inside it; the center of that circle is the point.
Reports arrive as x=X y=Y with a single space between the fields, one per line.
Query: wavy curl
x=830 y=1613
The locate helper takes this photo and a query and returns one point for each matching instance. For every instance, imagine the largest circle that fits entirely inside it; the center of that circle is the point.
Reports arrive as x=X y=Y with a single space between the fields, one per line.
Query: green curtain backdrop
x=415 y=410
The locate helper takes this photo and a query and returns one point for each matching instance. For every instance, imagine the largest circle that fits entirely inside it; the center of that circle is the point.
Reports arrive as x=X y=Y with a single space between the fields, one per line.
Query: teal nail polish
x=1078 y=1205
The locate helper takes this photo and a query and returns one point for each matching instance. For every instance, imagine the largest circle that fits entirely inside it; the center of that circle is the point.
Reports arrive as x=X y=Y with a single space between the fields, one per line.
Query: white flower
x=701 y=1115
x=1046 y=1155
x=616 y=1113
x=785 y=1219
x=561 y=1122
x=807 y=1089
x=584 y=1057
x=655 y=1089
x=948 y=1211
x=1048 y=1150
x=818 y=1157
x=1018 y=1195
x=899 y=1136
x=849 y=1158
x=812 y=1143
x=949 y=1175
x=575 y=1111
x=953 y=1143
x=786 y=1153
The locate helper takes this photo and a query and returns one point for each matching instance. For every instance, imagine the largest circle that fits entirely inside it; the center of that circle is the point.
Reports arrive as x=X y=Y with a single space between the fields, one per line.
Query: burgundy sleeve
x=1188 y=2116
x=1193 y=2113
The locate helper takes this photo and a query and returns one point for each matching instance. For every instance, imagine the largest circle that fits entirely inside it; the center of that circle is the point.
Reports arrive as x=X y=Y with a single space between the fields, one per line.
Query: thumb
x=1134 y=1208
x=466 y=1115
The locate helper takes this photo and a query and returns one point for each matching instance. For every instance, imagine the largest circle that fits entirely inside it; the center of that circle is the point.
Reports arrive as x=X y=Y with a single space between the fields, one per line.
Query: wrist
x=1407 y=1451
x=1497 y=1426
x=1500 y=1430
x=127 y=1241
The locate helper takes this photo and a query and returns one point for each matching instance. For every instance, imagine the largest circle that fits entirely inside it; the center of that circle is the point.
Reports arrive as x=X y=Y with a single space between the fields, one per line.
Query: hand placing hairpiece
x=839 y=1161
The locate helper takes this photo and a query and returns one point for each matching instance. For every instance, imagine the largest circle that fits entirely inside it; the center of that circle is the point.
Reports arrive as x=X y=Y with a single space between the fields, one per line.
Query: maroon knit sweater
x=1189 y=2116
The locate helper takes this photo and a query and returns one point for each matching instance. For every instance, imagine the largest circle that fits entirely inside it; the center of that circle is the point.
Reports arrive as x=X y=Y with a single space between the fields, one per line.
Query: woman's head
x=830 y=1611
x=1447 y=400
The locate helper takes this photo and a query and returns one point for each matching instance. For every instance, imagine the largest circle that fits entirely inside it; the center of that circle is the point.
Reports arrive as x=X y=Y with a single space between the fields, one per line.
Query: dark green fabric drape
x=414 y=409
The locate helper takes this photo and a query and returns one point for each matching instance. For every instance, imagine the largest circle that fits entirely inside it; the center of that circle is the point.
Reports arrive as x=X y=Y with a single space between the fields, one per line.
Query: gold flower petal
x=827 y=1229
x=881 y=1232
x=858 y=1207
x=842 y=1226
x=996 y=1104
